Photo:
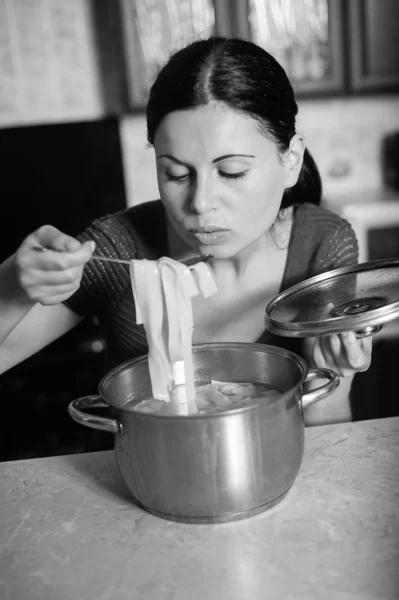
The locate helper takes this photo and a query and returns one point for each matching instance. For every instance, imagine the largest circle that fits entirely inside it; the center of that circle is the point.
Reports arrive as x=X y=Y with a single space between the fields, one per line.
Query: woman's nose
x=203 y=197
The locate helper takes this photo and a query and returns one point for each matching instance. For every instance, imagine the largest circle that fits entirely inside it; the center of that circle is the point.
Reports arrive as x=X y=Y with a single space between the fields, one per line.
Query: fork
x=188 y=262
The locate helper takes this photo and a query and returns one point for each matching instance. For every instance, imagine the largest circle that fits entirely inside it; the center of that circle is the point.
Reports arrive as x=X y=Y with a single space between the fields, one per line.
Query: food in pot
x=214 y=397
x=162 y=292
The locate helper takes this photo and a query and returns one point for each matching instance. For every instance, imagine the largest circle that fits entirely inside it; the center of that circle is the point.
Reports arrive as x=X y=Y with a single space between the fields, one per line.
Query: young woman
x=235 y=181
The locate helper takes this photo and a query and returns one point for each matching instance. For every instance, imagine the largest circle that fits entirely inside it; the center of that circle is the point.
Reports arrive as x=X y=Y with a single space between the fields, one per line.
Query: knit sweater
x=320 y=241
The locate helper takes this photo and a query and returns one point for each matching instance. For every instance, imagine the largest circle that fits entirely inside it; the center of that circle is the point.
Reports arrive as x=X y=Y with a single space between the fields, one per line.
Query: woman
x=235 y=181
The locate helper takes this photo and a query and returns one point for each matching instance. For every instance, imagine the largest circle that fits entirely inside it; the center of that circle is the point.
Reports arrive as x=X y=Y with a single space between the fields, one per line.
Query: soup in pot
x=214 y=397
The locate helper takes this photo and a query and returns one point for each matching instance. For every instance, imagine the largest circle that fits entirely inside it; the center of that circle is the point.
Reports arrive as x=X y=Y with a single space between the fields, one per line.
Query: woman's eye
x=186 y=176
x=232 y=175
x=178 y=178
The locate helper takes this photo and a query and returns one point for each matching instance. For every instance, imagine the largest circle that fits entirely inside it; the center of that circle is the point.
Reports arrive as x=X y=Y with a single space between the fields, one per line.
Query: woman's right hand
x=53 y=275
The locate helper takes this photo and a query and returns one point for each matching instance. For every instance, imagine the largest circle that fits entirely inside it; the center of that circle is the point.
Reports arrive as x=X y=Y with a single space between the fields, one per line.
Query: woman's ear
x=293 y=159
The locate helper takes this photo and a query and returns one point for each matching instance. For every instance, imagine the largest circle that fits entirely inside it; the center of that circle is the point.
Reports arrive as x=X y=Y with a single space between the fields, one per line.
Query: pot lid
x=358 y=298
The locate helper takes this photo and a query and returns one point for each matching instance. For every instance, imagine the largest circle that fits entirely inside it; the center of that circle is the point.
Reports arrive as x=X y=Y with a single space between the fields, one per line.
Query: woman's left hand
x=344 y=353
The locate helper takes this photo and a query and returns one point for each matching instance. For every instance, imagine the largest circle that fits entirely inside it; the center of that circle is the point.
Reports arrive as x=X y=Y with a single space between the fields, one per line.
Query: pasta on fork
x=162 y=292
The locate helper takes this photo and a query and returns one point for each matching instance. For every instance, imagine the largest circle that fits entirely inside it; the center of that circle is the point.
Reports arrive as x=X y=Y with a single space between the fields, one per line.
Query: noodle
x=216 y=397
x=162 y=292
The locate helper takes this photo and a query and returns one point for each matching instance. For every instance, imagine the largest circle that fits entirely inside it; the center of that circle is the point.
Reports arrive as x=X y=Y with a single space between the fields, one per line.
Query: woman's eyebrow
x=224 y=157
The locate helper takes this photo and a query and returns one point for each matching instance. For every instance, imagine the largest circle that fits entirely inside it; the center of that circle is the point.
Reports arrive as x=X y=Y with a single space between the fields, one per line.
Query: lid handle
x=367 y=331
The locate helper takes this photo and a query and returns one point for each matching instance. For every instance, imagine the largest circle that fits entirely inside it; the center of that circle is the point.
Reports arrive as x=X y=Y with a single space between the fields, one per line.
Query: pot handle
x=75 y=410
x=324 y=390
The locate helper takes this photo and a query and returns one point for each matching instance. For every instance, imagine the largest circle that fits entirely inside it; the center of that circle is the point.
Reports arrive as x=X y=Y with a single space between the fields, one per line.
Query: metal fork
x=188 y=262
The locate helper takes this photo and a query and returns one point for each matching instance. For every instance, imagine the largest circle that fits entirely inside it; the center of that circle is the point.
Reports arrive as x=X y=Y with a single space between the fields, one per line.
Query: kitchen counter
x=69 y=530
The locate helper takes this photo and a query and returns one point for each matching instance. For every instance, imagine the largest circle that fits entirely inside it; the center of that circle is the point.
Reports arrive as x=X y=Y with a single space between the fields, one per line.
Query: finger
x=333 y=345
x=52 y=238
x=343 y=353
x=53 y=260
x=335 y=355
x=331 y=349
x=40 y=294
x=317 y=356
x=36 y=277
x=357 y=352
x=366 y=343
x=328 y=354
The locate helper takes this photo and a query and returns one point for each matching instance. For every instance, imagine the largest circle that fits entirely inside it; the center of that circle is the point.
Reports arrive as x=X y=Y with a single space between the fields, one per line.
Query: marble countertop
x=68 y=530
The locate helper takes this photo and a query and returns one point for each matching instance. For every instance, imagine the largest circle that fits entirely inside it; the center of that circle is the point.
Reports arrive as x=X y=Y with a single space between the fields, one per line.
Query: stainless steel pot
x=214 y=467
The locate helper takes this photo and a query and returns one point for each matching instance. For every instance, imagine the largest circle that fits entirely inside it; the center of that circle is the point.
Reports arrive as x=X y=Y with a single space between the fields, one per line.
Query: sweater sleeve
x=338 y=249
x=104 y=283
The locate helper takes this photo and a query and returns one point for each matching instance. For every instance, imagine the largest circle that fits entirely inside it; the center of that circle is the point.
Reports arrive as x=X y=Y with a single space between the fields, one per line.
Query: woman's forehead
x=213 y=128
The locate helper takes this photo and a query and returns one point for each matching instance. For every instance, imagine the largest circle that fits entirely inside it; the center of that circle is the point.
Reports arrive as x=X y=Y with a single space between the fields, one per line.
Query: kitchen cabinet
x=306 y=37
x=345 y=46
x=374 y=45
x=326 y=46
x=153 y=30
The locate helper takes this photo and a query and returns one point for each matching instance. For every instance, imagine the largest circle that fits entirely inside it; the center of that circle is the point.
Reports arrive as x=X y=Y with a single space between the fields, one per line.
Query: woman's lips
x=209 y=235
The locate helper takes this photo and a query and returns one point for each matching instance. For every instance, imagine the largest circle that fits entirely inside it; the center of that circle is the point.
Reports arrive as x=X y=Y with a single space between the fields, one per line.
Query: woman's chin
x=218 y=252
x=222 y=250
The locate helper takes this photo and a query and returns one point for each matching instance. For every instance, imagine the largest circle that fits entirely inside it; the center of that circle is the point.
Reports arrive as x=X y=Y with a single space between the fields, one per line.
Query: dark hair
x=247 y=79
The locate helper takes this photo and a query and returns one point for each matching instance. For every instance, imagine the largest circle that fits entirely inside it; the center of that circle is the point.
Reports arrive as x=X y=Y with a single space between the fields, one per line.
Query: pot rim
x=265 y=348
